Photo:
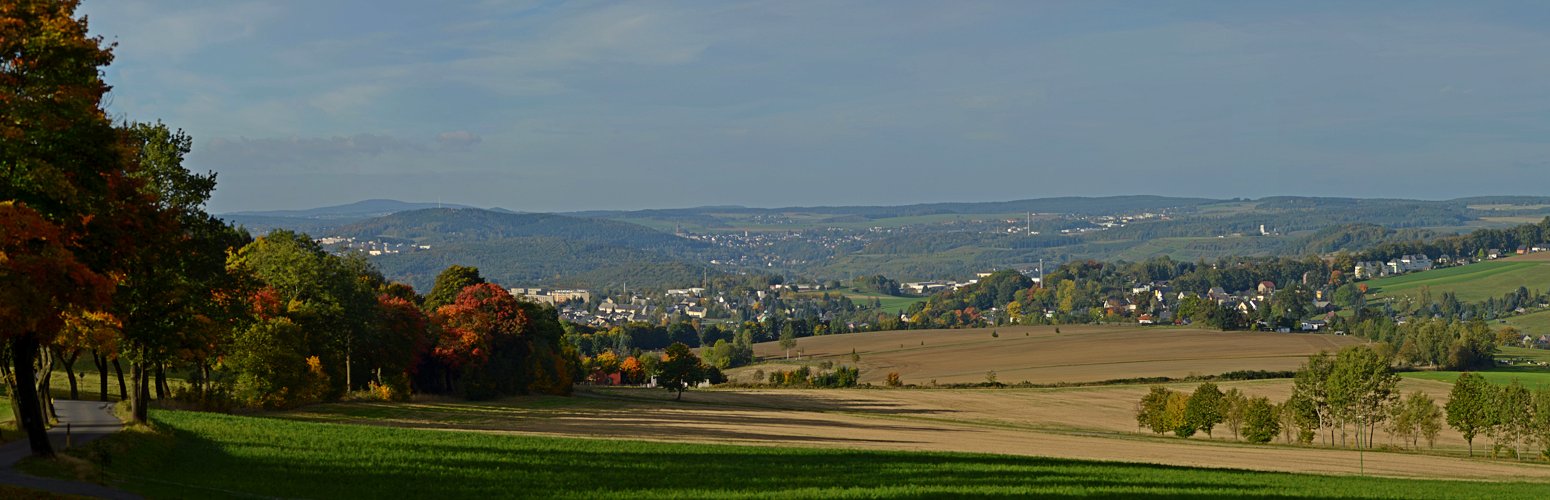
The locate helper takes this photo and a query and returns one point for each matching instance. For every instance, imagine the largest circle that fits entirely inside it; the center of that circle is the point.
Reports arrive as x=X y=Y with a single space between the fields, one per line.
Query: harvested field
x=1079 y=423
x=1039 y=355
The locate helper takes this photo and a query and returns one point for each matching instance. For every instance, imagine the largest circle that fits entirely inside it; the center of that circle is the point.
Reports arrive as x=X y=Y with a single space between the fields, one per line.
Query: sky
x=562 y=106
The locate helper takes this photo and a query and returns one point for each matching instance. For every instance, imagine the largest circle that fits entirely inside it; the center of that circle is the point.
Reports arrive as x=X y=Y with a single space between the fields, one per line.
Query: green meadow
x=1472 y=283
x=1531 y=378
x=1537 y=323
x=202 y=455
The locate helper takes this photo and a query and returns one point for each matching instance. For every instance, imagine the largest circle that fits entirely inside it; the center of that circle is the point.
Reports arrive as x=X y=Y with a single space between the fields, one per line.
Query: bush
x=893 y=380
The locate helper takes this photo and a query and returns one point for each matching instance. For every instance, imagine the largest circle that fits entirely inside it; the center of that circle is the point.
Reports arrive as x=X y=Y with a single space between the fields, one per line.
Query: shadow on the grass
x=214 y=455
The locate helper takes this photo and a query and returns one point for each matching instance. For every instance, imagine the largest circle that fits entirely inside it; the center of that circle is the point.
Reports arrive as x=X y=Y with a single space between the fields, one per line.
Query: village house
x=1313 y=325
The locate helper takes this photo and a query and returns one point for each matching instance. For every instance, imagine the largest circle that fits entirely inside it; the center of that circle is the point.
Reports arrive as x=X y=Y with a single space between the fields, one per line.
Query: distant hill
x=548 y=261
x=317 y=221
x=1066 y=205
x=358 y=210
x=531 y=249
x=442 y=225
x=907 y=242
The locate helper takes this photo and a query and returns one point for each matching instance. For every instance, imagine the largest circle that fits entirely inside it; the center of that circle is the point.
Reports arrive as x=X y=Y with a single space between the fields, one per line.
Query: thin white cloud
x=149 y=30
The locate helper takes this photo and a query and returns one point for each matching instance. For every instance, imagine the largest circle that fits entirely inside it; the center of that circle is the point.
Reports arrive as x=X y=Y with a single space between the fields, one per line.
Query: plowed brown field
x=1039 y=355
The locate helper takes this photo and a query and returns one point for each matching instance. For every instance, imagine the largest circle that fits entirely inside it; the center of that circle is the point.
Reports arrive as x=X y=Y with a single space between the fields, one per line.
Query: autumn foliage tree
x=40 y=279
x=61 y=169
x=397 y=343
x=490 y=344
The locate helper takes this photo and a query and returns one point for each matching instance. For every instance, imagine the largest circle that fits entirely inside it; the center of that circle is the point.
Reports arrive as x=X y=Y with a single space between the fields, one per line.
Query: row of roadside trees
x=1347 y=398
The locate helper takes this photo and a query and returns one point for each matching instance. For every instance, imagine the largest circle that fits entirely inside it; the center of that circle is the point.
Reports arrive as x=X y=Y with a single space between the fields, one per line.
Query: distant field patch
x=1472 y=283
x=1542 y=355
x=1535 y=324
x=1515 y=219
x=1532 y=257
x=890 y=303
x=1504 y=207
x=1079 y=353
x=1531 y=378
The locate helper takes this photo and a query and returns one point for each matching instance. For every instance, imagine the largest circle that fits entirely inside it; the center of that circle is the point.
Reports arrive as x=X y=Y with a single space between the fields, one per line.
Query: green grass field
x=1542 y=355
x=199 y=455
x=890 y=303
x=1530 y=378
x=1537 y=323
x=1472 y=283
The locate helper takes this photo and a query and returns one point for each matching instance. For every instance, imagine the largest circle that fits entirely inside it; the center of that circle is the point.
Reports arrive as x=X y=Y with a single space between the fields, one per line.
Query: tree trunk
x=102 y=374
x=161 y=383
x=75 y=393
x=137 y=400
x=123 y=392
x=45 y=378
x=348 y=386
x=24 y=395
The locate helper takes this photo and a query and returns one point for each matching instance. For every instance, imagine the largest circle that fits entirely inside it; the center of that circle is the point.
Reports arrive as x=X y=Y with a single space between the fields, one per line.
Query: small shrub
x=893 y=379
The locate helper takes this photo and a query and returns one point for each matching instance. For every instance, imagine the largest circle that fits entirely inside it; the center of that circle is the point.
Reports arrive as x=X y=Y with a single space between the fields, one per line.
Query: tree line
x=1347 y=398
x=107 y=252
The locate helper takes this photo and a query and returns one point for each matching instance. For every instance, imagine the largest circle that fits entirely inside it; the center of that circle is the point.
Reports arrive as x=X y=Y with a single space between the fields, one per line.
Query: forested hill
x=441 y=225
x=532 y=249
x=358 y=210
x=1064 y=205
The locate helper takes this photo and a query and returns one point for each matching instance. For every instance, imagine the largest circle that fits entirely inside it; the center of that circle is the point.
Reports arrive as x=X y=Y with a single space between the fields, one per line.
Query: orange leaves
x=630 y=370
x=40 y=277
x=266 y=303
x=86 y=329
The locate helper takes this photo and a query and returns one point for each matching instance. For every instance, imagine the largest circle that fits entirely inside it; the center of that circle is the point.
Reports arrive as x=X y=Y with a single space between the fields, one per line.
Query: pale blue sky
x=553 y=106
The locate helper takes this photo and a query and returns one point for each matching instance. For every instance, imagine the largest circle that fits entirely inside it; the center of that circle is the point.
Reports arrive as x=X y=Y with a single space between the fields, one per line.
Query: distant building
x=1368 y=270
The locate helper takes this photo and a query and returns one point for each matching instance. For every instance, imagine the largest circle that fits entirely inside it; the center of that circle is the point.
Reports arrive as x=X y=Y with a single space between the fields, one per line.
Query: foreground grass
x=17 y=492
x=210 y=455
x=1530 y=378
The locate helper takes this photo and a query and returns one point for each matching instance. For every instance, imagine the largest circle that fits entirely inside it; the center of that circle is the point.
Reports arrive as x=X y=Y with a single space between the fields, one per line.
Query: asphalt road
x=84 y=421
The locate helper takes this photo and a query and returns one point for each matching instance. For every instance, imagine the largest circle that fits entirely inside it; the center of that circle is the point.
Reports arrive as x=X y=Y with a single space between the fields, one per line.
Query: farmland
x=1537 y=323
x=889 y=303
x=1472 y=283
x=202 y=455
x=1040 y=355
x=1530 y=378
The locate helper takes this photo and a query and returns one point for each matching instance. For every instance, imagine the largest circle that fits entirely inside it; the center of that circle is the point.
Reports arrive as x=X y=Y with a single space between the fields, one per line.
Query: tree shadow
x=237 y=456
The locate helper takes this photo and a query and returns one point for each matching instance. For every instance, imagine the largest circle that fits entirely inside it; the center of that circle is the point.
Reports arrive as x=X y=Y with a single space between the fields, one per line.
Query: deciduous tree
x=680 y=369
x=1469 y=407
x=61 y=167
x=1204 y=410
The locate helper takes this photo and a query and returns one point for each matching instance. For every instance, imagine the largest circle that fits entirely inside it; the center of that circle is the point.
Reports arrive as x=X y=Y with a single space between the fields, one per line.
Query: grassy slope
x=890 y=303
x=204 y=455
x=1472 y=283
x=1527 y=377
x=1542 y=355
x=1533 y=323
